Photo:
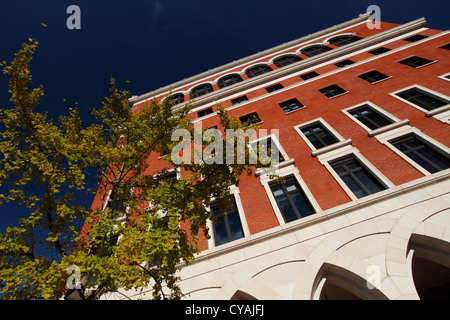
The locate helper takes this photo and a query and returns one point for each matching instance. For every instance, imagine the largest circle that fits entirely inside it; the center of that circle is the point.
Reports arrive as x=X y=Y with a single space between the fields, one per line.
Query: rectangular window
x=416 y=37
x=332 y=91
x=291 y=200
x=239 y=100
x=275 y=87
x=415 y=62
x=227 y=226
x=427 y=157
x=357 y=178
x=422 y=99
x=369 y=117
x=318 y=135
x=204 y=112
x=309 y=75
x=344 y=63
x=446 y=46
x=380 y=50
x=291 y=105
x=373 y=76
x=251 y=118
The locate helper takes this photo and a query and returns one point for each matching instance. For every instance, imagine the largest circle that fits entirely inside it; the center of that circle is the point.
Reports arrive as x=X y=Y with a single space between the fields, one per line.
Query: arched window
x=344 y=39
x=177 y=98
x=229 y=80
x=257 y=70
x=286 y=60
x=201 y=90
x=315 y=50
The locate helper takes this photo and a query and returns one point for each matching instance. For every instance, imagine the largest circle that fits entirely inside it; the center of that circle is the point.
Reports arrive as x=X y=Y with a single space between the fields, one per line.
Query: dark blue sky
x=153 y=43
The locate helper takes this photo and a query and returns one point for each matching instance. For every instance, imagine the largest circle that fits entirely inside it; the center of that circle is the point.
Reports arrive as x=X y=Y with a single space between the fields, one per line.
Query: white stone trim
x=443 y=76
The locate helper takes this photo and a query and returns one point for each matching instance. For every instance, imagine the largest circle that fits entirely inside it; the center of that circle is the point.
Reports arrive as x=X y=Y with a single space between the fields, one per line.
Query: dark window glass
x=201 y=90
x=332 y=91
x=228 y=225
x=446 y=46
x=251 y=118
x=370 y=117
x=422 y=99
x=309 y=75
x=343 y=40
x=229 y=80
x=415 y=38
x=315 y=50
x=270 y=147
x=239 y=100
x=291 y=105
x=291 y=200
x=204 y=112
x=380 y=50
x=422 y=154
x=286 y=60
x=415 y=62
x=344 y=63
x=275 y=87
x=319 y=136
x=360 y=181
x=257 y=70
x=373 y=76
x=177 y=98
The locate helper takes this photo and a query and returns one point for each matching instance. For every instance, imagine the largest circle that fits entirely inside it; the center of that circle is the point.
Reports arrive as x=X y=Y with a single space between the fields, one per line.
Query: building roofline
x=247 y=59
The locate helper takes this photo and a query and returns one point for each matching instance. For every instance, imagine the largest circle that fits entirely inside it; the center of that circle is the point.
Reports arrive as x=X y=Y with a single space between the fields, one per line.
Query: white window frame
x=234 y=191
x=316 y=152
x=344 y=152
x=386 y=137
x=396 y=122
x=285 y=172
x=443 y=76
x=442 y=113
x=287 y=161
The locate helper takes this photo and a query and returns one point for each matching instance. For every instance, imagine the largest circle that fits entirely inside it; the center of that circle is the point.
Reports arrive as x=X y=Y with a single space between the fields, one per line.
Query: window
x=373 y=76
x=344 y=39
x=201 y=90
x=291 y=105
x=275 y=87
x=318 y=135
x=229 y=80
x=344 y=63
x=270 y=146
x=380 y=50
x=205 y=112
x=369 y=117
x=286 y=60
x=315 y=50
x=239 y=100
x=415 y=62
x=424 y=155
x=309 y=75
x=291 y=200
x=332 y=91
x=227 y=226
x=423 y=99
x=257 y=70
x=446 y=46
x=251 y=118
x=357 y=178
x=416 y=37
x=177 y=98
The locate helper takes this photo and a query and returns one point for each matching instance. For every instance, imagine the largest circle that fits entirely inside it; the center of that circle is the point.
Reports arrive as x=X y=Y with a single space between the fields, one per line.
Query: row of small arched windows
x=257 y=70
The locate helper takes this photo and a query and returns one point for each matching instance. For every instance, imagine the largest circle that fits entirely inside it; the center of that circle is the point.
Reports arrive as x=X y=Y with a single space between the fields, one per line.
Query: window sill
x=437 y=110
x=283 y=164
x=389 y=127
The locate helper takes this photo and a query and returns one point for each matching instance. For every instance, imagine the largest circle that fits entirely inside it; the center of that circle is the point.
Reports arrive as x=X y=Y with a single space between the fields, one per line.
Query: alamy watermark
x=74 y=20
x=374 y=20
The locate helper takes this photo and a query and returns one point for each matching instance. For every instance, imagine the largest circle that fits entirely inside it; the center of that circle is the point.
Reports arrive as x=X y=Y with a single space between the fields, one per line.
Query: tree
x=47 y=163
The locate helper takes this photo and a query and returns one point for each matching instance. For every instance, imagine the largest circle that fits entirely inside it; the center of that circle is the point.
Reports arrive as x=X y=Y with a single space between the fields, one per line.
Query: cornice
x=248 y=59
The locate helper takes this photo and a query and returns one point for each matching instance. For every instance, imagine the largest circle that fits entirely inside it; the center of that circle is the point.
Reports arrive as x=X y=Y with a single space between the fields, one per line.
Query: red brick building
x=363 y=120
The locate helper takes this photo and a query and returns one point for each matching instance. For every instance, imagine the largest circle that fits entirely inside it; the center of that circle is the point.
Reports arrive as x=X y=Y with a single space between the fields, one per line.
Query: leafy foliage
x=46 y=164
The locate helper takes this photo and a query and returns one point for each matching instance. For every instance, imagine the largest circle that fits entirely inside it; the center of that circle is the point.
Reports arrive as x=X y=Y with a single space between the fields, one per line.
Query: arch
x=342 y=39
x=228 y=79
x=257 y=69
x=240 y=295
x=313 y=49
x=337 y=283
x=201 y=89
x=285 y=59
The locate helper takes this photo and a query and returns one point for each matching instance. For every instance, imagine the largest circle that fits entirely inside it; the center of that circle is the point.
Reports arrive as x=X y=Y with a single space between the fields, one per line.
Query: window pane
x=286 y=209
x=370 y=118
x=354 y=186
x=302 y=204
x=220 y=233
x=422 y=99
x=235 y=226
